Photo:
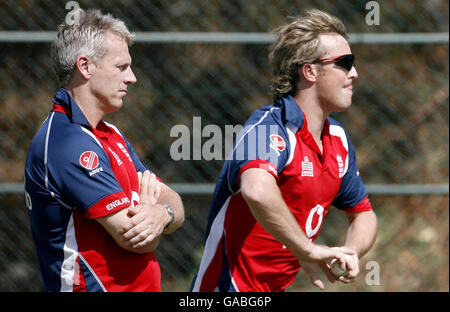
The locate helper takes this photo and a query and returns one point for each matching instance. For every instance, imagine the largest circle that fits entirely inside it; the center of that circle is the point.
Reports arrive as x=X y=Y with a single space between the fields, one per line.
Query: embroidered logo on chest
x=116 y=157
x=124 y=150
x=307 y=168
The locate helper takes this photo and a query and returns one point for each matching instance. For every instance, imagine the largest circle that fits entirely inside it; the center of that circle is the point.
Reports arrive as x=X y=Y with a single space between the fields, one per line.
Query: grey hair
x=298 y=43
x=85 y=36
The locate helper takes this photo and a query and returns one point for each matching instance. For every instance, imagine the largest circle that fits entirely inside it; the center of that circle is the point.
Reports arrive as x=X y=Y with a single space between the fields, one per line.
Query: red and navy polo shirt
x=239 y=254
x=75 y=173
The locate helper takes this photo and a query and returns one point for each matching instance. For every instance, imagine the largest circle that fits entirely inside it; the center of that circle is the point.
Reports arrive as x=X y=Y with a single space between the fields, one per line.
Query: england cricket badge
x=307 y=168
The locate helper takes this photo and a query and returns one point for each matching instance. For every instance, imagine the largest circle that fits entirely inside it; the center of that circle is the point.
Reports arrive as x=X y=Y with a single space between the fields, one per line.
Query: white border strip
x=91 y=135
x=212 y=243
x=92 y=272
x=47 y=135
x=69 y=264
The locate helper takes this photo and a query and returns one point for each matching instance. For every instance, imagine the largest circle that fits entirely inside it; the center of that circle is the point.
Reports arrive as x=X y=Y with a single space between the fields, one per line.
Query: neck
x=88 y=104
x=314 y=113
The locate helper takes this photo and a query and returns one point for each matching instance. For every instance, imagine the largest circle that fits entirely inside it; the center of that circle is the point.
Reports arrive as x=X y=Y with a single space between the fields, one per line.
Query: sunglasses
x=346 y=61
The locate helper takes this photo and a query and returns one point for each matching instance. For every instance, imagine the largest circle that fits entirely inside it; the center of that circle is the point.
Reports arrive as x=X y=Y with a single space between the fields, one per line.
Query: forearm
x=114 y=225
x=361 y=233
x=170 y=197
x=269 y=209
x=275 y=217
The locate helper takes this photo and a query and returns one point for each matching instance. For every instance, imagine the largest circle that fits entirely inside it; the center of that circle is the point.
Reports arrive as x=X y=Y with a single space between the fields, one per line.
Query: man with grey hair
x=96 y=211
x=267 y=210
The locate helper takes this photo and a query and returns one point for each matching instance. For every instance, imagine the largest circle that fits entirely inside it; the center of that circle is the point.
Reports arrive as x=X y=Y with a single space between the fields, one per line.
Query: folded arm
x=138 y=229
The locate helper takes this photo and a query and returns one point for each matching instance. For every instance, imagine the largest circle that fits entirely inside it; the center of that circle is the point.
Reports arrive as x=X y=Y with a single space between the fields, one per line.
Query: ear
x=309 y=72
x=84 y=66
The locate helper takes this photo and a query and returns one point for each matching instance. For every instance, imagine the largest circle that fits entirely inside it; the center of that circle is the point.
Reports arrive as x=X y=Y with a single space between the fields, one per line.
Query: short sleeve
x=262 y=143
x=81 y=175
x=352 y=196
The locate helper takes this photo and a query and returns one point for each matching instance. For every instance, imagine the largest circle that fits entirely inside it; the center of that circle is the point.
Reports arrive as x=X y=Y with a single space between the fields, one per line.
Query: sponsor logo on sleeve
x=117 y=203
x=89 y=160
x=271 y=168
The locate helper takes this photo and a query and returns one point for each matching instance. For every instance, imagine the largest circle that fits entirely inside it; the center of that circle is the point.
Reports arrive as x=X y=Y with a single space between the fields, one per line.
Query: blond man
x=269 y=206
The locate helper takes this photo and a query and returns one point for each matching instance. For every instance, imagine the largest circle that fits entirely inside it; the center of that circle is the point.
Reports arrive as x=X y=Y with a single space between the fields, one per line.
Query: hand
x=319 y=258
x=148 y=219
x=351 y=265
x=321 y=253
x=312 y=268
x=147 y=225
x=149 y=190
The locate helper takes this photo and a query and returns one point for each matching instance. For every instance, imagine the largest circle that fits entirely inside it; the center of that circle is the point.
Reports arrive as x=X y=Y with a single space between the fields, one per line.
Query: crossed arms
x=138 y=229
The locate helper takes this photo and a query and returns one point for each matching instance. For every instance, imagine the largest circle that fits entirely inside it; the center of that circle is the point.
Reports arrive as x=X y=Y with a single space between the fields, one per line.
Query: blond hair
x=298 y=43
x=86 y=36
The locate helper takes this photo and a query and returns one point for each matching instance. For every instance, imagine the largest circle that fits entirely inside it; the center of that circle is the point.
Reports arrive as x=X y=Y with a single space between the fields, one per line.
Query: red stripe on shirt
x=259 y=163
x=108 y=205
x=363 y=205
x=62 y=109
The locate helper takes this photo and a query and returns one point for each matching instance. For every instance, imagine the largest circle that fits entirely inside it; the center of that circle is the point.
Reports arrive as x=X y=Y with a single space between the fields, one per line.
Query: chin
x=118 y=103
x=342 y=107
x=346 y=103
x=114 y=106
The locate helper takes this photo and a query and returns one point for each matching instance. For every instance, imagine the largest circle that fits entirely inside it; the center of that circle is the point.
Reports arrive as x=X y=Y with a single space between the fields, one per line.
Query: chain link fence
x=399 y=122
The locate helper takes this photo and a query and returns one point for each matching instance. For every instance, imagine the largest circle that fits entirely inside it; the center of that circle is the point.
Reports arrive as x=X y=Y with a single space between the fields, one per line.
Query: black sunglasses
x=346 y=61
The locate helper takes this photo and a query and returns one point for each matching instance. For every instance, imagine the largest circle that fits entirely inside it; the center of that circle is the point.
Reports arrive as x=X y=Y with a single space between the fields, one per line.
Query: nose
x=130 y=78
x=353 y=74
